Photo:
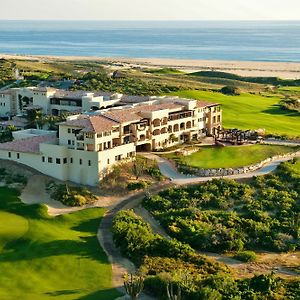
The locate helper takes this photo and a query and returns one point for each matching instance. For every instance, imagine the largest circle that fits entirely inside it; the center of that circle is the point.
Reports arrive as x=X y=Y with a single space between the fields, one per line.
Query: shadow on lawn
x=96 y=295
x=64 y=292
x=101 y=295
x=277 y=110
x=87 y=247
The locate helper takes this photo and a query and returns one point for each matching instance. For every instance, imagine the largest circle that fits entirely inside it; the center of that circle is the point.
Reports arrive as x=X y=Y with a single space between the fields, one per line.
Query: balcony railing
x=180 y=115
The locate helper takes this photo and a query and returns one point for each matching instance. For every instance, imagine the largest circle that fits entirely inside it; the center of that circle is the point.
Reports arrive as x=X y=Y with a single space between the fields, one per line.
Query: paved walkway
x=169 y=171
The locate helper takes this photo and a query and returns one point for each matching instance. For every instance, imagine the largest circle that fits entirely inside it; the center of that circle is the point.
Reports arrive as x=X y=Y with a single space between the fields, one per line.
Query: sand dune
x=289 y=70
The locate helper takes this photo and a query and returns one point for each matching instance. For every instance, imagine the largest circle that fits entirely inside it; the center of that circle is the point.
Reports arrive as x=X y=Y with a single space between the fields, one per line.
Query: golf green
x=43 y=257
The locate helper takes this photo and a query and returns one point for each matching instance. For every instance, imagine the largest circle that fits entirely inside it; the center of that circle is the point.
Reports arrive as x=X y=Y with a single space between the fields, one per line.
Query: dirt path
x=243 y=269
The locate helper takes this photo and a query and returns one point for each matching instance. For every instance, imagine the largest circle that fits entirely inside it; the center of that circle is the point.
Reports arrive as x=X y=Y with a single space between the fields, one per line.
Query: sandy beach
x=287 y=70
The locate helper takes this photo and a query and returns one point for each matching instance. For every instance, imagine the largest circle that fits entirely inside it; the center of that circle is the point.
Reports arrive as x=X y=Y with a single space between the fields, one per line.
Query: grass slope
x=232 y=156
x=44 y=257
x=249 y=111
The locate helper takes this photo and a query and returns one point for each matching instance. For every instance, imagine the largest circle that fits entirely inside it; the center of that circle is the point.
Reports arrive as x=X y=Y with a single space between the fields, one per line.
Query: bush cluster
x=163 y=261
x=71 y=196
x=223 y=215
x=138 y=185
x=10 y=178
x=124 y=85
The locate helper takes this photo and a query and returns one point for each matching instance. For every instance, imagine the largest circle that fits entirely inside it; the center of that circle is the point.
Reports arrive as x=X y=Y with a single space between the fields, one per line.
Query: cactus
x=133 y=286
x=171 y=292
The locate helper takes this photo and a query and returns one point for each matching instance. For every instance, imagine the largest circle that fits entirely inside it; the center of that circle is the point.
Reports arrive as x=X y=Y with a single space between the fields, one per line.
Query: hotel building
x=88 y=145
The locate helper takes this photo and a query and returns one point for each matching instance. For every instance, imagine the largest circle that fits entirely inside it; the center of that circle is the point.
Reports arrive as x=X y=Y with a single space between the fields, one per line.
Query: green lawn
x=251 y=112
x=230 y=157
x=43 y=257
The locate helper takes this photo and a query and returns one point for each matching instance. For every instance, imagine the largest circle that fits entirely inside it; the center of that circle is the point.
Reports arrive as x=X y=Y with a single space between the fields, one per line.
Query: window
x=43 y=158
x=108 y=161
x=50 y=160
x=58 y=161
x=89 y=135
x=18 y=155
x=69 y=142
x=89 y=163
x=9 y=154
x=69 y=130
x=65 y=160
x=80 y=161
x=71 y=160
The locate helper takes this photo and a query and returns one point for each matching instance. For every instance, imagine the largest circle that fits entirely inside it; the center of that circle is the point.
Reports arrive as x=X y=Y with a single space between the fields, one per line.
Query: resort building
x=88 y=145
x=53 y=101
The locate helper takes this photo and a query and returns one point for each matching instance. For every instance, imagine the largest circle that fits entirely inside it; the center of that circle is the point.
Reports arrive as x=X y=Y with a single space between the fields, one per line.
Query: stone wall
x=232 y=171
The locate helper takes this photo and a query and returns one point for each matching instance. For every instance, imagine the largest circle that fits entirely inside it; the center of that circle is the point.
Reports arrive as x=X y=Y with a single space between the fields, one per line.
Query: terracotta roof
x=201 y=104
x=123 y=115
x=158 y=107
x=133 y=114
x=92 y=124
x=101 y=124
x=27 y=145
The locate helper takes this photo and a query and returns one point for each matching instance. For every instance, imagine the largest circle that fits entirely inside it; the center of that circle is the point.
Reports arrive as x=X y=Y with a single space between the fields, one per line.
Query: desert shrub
x=246 y=256
x=162 y=262
x=224 y=215
x=230 y=90
x=139 y=185
x=154 y=172
x=71 y=196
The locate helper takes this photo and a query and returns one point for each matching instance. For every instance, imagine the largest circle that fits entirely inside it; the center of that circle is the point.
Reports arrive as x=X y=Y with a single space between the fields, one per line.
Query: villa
x=89 y=144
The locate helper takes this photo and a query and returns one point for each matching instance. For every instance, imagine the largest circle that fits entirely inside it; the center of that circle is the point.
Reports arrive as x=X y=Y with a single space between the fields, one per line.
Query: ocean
x=207 y=40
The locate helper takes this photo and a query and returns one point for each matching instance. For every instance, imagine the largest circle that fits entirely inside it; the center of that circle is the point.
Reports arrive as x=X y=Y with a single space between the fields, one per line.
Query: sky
x=150 y=9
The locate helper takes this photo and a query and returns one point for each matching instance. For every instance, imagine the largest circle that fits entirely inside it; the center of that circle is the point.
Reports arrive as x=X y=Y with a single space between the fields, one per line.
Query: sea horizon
x=268 y=41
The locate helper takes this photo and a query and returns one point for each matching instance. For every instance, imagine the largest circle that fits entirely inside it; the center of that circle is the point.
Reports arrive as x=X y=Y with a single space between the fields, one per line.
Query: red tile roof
x=133 y=114
x=91 y=123
x=123 y=115
x=27 y=145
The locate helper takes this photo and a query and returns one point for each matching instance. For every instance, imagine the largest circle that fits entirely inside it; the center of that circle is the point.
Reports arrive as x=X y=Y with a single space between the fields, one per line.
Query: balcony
x=180 y=115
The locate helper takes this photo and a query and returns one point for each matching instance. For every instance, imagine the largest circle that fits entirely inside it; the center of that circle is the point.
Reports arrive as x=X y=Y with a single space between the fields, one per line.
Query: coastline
x=286 y=70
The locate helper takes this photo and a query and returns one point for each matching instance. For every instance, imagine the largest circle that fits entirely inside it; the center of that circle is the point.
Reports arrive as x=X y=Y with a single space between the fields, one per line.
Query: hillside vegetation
x=223 y=215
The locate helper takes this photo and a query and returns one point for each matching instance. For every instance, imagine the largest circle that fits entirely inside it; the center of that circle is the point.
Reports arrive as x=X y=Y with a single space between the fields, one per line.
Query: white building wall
x=5 y=105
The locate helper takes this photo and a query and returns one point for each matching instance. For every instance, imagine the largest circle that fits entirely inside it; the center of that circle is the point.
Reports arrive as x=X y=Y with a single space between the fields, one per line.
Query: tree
x=34 y=116
x=134 y=285
x=172 y=295
x=230 y=90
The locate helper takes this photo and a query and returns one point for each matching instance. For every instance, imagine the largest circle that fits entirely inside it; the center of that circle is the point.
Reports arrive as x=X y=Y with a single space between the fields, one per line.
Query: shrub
x=139 y=185
x=246 y=256
x=230 y=90
x=71 y=196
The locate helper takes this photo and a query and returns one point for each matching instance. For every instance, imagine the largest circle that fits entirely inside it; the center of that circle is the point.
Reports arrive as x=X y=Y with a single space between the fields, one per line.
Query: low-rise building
x=52 y=101
x=89 y=145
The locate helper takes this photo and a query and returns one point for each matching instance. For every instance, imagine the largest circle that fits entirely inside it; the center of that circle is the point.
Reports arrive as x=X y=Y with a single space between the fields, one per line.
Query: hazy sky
x=151 y=9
